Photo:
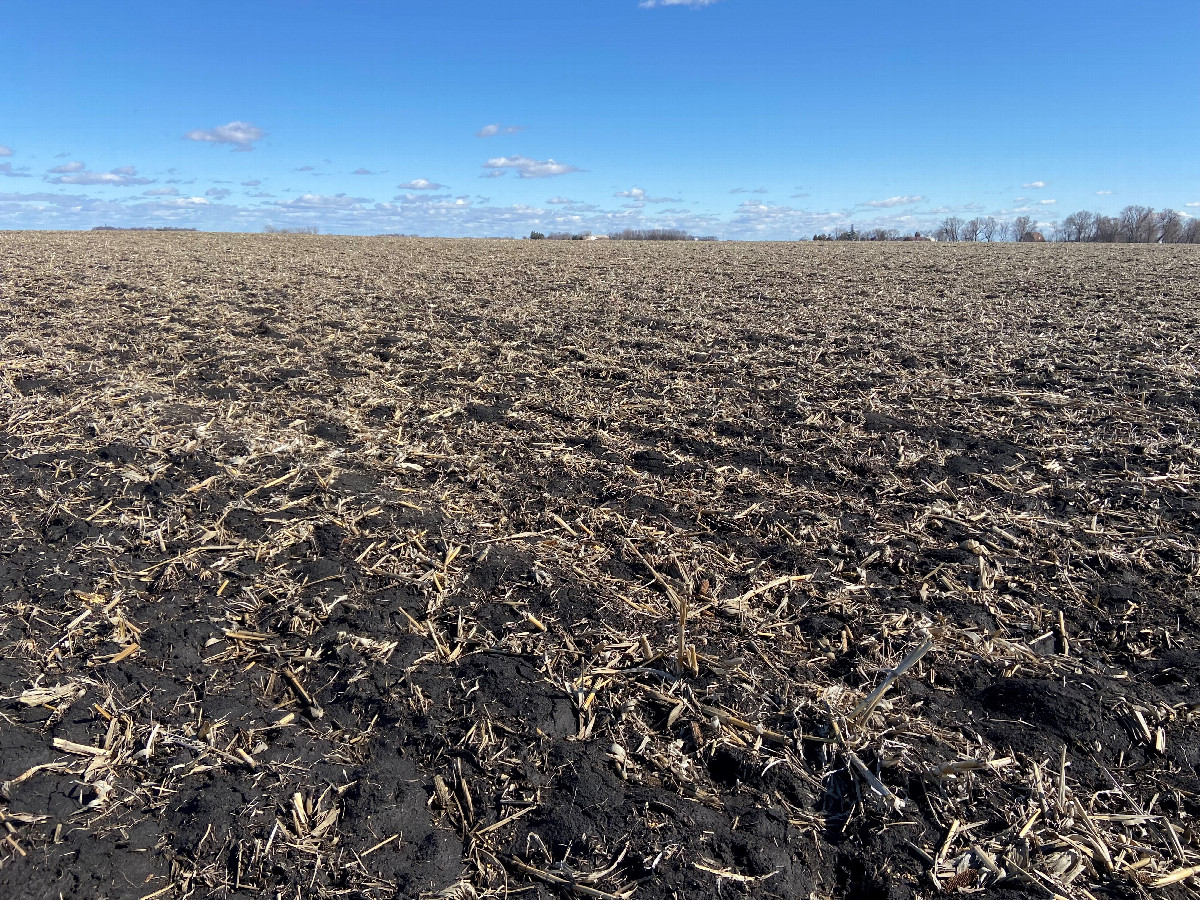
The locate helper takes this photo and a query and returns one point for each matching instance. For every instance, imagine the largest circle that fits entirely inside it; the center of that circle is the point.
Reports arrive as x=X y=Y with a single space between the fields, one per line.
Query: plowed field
x=373 y=568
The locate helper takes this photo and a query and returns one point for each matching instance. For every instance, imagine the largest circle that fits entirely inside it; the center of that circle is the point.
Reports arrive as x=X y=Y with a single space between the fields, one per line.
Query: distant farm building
x=921 y=237
x=1033 y=237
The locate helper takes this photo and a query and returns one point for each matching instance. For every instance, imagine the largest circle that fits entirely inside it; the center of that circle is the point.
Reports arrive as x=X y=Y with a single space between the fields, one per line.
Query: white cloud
x=1034 y=184
x=241 y=135
x=321 y=201
x=41 y=197
x=362 y=172
x=529 y=168
x=260 y=194
x=420 y=184
x=123 y=176
x=893 y=201
x=67 y=168
x=5 y=151
x=1103 y=193
x=559 y=201
x=218 y=193
x=427 y=203
x=492 y=130
x=754 y=218
x=694 y=4
x=639 y=195
x=1047 y=202
x=161 y=192
x=962 y=208
x=8 y=171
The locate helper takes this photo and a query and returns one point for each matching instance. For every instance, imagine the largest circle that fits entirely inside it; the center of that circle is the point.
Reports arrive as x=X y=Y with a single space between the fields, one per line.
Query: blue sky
x=740 y=118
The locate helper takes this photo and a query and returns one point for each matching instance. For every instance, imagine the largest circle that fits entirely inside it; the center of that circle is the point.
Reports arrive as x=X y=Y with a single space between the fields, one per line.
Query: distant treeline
x=299 y=229
x=629 y=234
x=1133 y=225
x=656 y=234
x=140 y=228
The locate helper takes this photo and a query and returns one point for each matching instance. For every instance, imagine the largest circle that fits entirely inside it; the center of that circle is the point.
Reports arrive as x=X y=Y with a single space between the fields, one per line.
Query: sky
x=743 y=119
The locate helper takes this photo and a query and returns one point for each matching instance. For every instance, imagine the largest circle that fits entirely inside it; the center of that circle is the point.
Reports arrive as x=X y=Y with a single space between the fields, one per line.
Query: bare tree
x=1138 y=225
x=1107 y=230
x=1191 y=232
x=1078 y=226
x=950 y=229
x=972 y=229
x=1170 y=226
x=991 y=229
x=1021 y=226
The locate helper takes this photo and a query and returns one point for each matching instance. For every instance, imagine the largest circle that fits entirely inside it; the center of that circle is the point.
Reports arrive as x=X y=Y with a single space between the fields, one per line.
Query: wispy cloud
x=641 y=197
x=960 y=208
x=322 y=201
x=694 y=4
x=161 y=192
x=1191 y=204
x=488 y=131
x=1034 y=184
x=1047 y=202
x=241 y=135
x=742 y=190
x=218 y=193
x=894 y=201
x=428 y=203
x=77 y=173
x=560 y=201
x=530 y=168
x=362 y=172
x=756 y=219
x=420 y=184
x=254 y=183
x=8 y=171
x=1103 y=193
x=5 y=151
x=305 y=169
x=40 y=197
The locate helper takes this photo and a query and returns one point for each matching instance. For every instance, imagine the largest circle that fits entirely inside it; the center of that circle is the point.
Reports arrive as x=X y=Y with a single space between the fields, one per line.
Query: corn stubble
x=341 y=567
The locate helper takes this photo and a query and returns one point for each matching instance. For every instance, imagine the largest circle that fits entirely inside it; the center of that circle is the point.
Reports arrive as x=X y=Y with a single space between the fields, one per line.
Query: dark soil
x=329 y=568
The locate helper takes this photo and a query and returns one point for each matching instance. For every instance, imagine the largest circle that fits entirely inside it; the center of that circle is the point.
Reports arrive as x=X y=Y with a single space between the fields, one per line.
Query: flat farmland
x=381 y=567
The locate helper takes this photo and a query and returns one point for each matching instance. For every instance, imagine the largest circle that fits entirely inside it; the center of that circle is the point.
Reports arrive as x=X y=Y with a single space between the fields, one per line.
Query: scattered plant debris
x=338 y=567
